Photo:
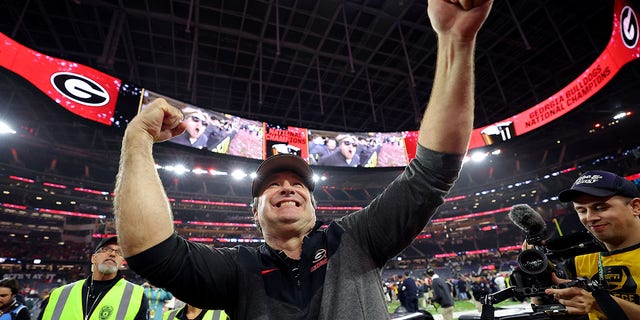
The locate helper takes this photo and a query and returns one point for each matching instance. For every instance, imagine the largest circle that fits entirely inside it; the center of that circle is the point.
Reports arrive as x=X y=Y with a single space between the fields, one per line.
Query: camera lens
x=533 y=261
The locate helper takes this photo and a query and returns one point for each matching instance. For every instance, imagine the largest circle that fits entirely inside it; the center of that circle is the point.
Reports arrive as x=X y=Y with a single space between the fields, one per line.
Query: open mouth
x=289 y=203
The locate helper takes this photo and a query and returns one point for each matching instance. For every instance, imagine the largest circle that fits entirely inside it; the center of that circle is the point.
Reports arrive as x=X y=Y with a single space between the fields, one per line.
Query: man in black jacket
x=441 y=295
x=409 y=292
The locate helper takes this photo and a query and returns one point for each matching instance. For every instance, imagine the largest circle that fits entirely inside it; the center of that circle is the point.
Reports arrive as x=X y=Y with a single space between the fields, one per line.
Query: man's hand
x=160 y=120
x=459 y=18
x=576 y=299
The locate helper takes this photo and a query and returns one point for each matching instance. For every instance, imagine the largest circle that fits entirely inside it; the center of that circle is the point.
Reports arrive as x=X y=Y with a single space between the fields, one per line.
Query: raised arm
x=141 y=207
x=448 y=120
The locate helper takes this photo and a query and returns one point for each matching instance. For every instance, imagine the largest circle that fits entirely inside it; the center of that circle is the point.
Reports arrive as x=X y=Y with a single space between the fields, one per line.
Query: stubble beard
x=107 y=269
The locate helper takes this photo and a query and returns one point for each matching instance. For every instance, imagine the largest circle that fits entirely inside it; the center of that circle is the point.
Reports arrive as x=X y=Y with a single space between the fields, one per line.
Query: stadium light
x=5 y=128
x=178 y=169
x=478 y=156
x=199 y=171
x=621 y=115
x=215 y=172
x=238 y=174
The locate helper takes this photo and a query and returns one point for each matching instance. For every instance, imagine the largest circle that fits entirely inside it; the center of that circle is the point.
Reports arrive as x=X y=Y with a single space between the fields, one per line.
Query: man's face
x=284 y=206
x=331 y=144
x=196 y=123
x=6 y=297
x=613 y=220
x=348 y=148
x=108 y=259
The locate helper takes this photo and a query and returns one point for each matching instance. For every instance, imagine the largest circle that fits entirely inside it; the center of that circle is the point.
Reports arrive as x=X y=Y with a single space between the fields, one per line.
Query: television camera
x=535 y=266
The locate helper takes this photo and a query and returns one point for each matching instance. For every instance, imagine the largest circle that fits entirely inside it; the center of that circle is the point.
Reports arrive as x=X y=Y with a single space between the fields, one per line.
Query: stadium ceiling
x=363 y=65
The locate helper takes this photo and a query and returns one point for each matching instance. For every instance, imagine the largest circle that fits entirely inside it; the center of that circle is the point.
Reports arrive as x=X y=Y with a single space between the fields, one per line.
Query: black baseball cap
x=599 y=183
x=106 y=241
x=282 y=163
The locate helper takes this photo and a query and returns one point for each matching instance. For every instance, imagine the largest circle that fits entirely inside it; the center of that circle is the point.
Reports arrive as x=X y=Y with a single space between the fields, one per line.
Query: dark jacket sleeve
x=43 y=306
x=395 y=217
x=204 y=277
x=23 y=314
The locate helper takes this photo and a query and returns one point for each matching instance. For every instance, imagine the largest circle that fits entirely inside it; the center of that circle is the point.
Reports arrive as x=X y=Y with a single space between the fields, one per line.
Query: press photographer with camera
x=608 y=205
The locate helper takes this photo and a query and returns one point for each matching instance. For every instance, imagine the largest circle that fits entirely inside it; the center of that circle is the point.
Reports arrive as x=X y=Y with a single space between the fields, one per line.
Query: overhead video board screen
x=108 y=100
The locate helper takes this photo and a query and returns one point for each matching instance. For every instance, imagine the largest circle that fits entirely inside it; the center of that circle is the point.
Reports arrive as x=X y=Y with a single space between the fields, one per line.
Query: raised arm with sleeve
x=448 y=120
x=395 y=217
x=141 y=206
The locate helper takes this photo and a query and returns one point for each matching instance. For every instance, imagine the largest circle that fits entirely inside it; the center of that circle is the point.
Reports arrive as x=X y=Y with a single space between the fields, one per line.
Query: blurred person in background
x=189 y=312
x=441 y=294
x=479 y=288
x=345 y=156
x=157 y=298
x=10 y=309
x=463 y=287
x=37 y=306
x=196 y=122
x=409 y=292
x=317 y=148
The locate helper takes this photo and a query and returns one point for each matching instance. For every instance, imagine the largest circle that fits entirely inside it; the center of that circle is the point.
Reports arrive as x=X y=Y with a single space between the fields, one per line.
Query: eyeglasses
x=349 y=143
x=117 y=252
x=197 y=119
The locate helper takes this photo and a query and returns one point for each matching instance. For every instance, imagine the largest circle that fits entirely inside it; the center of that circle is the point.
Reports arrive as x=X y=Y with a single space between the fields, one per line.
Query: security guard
x=105 y=295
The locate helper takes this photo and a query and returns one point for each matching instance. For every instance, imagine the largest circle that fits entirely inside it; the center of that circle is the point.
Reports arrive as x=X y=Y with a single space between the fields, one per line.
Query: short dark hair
x=10 y=283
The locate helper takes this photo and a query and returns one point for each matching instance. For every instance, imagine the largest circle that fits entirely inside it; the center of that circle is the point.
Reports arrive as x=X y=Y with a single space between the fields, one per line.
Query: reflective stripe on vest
x=209 y=315
x=124 y=294
x=170 y=315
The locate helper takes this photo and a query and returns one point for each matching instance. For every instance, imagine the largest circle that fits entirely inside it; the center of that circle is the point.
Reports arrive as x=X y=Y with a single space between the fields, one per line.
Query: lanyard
x=600 y=268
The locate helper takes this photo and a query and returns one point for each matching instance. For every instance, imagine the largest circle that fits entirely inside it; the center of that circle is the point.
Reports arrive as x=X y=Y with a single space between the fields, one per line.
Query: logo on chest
x=319 y=259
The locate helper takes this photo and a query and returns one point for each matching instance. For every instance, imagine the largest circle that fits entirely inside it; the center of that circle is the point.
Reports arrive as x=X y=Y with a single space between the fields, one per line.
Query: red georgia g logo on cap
x=80 y=89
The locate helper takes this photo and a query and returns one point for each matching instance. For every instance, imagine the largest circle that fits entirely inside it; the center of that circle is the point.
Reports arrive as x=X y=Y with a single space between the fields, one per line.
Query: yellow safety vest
x=208 y=315
x=121 y=302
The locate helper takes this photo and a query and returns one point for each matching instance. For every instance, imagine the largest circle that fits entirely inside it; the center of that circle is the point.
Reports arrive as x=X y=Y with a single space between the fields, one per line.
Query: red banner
x=621 y=49
x=285 y=139
x=82 y=90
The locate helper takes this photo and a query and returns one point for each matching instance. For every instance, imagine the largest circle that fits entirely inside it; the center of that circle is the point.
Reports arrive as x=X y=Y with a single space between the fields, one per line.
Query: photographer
x=608 y=205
